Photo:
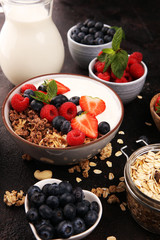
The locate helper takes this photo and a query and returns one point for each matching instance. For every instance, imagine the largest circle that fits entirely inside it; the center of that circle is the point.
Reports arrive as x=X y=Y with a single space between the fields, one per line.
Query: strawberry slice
x=61 y=89
x=86 y=123
x=94 y=105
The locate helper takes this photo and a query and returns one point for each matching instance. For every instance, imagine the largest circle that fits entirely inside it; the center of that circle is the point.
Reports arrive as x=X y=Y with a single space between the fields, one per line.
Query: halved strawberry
x=94 y=105
x=61 y=88
x=86 y=123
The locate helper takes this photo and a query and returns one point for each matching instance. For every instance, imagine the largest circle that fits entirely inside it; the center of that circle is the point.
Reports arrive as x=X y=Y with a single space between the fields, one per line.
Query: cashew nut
x=42 y=175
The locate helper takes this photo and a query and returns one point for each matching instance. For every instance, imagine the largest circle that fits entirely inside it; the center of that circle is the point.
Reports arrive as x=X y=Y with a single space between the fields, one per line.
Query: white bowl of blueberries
x=56 y=210
x=86 y=39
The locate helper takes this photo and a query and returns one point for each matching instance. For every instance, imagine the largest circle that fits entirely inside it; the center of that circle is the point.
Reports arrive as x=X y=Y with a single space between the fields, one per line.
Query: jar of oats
x=142 y=177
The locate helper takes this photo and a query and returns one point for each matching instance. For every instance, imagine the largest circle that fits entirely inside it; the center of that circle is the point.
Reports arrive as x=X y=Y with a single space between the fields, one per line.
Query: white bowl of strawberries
x=62 y=118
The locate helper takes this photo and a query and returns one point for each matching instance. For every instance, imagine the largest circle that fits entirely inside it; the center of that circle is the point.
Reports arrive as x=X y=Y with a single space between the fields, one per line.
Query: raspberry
x=121 y=80
x=136 y=70
x=19 y=103
x=105 y=76
x=49 y=112
x=113 y=76
x=28 y=86
x=131 y=61
x=127 y=76
x=137 y=55
x=68 y=110
x=75 y=137
x=99 y=66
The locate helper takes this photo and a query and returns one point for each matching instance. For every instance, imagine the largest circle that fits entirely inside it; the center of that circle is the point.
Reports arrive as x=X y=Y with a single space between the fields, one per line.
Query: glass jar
x=144 y=209
x=30 y=43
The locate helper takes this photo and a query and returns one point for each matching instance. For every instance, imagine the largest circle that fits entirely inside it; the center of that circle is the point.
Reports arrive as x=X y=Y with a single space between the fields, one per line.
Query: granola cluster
x=14 y=198
x=145 y=173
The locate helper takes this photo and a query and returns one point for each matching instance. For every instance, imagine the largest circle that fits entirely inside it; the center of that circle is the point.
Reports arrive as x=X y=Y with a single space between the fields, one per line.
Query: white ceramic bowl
x=88 y=196
x=79 y=85
x=126 y=91
x=82 y=54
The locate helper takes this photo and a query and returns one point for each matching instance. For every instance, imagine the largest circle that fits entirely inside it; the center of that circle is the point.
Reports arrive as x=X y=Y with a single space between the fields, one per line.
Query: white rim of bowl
x=81 y=235
x=85 y=45
x=114 y=83
x=11 y=131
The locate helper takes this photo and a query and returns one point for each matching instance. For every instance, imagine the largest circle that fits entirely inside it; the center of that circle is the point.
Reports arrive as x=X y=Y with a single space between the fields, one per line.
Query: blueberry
x=75 y=37
x=79 y=25
x=90 y=218
x=32 y=190
x=79 y=113
x=45 y=211
x=86 y=202
x=58 y=100
x=57 y=216
x=98 y=25
x=32 y=215
x=78 y=225
x=52 y=202
x=91 y=23
x=78 y=193
x=99 y=41
x=36 y=105
x=42 y=88
x=69 y=211
x=107 y=38
x=82 y=209
x=53 y=189
x=104 y=30
x=94 y=206
x=65 y=127
x=98 y=34
x=46 y=232
x=92 y=30
x=111 y=31
x=84 y=29
x=81 y=35
x=65 y=229
x=42 y=222
x=103 y=127
x=66 y=198
x=57 y=122
x=37 y=199
x=45 y=189
x=86 y=22
x=88 y=39
x=75 y=100
x=75 y=31
x=64 y=187
x=28 y=93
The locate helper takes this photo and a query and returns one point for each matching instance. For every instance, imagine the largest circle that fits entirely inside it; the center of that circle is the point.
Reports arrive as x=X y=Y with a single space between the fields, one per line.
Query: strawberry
x=157 y=106
x=94 y=105
x=86 y=123
x=61 y=88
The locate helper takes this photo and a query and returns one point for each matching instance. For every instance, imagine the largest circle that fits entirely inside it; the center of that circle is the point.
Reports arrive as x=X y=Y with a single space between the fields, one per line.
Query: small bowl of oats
x=142 y=178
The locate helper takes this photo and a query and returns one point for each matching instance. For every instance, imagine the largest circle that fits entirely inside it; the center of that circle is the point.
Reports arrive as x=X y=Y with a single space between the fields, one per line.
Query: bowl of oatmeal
x=142 y=178
x=38 y=136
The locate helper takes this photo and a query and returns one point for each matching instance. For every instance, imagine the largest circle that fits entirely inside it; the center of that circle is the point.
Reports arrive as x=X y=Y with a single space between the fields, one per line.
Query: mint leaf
x=117 y=38
x=108 y=62
x=51 y=89
x=116 y=28
x=108 y=51
x=102 y=57
x=41 y=97
x=120 y=63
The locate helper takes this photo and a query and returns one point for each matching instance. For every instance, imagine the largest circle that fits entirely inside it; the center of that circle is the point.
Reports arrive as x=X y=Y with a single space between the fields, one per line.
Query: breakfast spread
x=46 y=116
x=60 y=211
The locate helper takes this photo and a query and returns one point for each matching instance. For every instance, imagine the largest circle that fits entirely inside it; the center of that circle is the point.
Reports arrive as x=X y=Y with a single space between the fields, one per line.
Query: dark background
x=141 y=23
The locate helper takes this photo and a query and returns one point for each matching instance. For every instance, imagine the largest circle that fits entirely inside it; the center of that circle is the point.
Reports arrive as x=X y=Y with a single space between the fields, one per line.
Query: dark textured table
x=141 y=22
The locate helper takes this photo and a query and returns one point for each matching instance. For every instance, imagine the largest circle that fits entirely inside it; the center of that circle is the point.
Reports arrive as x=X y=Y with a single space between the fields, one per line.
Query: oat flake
x=92 y=164
x=121 y=132
x=97 y=171
x=111 y=176
x=139 y=97
x=109 y=164
x=111 y=238
x=148 y=124
x=120 y=141
x=78 y=179
x=119 y=153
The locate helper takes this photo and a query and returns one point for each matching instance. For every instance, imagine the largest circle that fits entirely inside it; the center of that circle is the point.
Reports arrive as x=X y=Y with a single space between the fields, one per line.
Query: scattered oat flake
x=148 y=124
x=111 y=176
x=97 y=171
x=139 y=96
x=111 y=238
x=78 y=179
x=121 y=132
x=123 y=208
x=109 y=164
x=92 y=164
x=120 y=141
x=121 y=179
x=119 y=153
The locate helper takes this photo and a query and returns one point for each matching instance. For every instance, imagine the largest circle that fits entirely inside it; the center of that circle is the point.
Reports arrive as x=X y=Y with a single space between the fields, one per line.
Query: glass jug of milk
x=30 y=43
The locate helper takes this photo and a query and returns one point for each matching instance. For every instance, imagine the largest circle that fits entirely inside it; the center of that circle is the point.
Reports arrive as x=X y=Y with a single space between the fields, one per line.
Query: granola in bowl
x=53 y=124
